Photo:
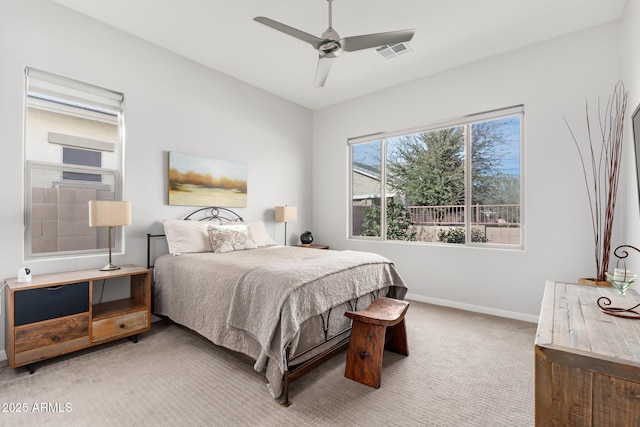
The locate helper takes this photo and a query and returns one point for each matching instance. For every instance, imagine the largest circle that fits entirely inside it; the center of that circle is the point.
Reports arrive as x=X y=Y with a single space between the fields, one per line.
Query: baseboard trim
x=474 y=308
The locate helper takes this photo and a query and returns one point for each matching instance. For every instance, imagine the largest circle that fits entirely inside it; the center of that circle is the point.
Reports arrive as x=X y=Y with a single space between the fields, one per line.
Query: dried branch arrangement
x=601 y=170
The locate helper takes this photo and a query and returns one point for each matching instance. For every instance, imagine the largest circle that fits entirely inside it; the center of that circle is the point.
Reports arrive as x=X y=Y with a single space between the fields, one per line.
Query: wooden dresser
x=587 y=363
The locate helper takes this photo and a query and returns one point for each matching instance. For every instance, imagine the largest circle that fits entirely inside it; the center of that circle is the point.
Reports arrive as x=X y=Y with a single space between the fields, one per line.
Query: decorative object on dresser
x=54 y=314
x=109 y=213
x=286 y=214
x=601 y=172
x=586 y=364
x=306 y=238
x=621 y=279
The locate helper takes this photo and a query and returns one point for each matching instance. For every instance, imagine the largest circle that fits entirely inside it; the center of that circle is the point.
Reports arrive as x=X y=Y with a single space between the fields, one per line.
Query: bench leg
x=396 y=339
x=364 y=356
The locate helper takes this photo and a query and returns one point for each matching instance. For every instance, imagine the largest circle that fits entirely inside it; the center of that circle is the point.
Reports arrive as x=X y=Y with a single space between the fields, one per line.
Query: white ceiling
x=223 y=36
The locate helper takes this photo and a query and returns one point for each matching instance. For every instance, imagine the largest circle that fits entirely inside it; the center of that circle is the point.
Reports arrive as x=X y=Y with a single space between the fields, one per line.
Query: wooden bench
x=376 y=328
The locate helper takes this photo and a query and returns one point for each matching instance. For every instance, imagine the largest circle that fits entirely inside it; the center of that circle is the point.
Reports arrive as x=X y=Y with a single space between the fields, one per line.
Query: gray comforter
x=255 y=301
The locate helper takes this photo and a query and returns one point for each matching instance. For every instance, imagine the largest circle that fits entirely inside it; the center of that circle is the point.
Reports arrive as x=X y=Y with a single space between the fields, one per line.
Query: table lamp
x=109 y=213
x=286 y=214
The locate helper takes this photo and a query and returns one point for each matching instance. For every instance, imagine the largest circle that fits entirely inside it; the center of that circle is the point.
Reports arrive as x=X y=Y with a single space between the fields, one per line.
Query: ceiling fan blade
x=353 y=43
x=324 y=66
x=300 y=35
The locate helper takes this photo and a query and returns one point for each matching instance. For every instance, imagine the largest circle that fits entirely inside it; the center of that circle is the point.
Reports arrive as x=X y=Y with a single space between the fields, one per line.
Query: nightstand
x=314 y=246
x=53 y=314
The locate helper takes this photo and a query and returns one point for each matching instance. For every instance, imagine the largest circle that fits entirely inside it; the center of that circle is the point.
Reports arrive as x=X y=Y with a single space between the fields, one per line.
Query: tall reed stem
x=601 y=171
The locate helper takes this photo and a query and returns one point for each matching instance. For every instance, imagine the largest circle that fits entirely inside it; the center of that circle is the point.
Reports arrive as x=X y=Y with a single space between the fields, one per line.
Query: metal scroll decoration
x=604 y=303
x=621 y=254
x=628 y=313
x=214 y=213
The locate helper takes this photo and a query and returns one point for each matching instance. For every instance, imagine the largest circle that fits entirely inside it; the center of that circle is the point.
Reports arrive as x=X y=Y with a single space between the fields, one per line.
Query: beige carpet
x=464 y=369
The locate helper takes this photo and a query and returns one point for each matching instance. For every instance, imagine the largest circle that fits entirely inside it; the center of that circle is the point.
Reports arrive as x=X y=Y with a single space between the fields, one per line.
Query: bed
x=282 y=306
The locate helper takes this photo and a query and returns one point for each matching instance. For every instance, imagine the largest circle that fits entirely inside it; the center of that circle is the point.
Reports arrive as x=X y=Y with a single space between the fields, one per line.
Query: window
x=73 y=154
x=455 y=182
x=78 y=156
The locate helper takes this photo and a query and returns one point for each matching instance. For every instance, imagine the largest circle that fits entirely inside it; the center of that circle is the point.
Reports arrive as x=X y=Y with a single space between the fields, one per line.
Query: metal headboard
x=213 y=213
x=210 y=213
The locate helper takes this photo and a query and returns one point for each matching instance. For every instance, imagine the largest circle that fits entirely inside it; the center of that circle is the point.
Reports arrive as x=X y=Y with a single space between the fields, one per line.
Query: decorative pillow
x=259 y=234
x=186 y=236
x=229 y=238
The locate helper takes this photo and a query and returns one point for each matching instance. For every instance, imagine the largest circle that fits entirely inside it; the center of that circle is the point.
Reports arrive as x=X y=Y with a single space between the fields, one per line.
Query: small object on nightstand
x=306 y=238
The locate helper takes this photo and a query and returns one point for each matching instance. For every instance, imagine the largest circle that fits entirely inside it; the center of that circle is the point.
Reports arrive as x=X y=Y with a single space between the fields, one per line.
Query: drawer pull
x=54 y=338
x=122 y=326
x=54 y=288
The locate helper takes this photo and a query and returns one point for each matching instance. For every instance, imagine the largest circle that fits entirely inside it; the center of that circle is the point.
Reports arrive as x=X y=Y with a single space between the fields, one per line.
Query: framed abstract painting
x=201 y=181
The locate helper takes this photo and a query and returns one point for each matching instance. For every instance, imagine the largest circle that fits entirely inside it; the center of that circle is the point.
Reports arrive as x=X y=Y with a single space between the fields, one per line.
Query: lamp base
x=110 y=267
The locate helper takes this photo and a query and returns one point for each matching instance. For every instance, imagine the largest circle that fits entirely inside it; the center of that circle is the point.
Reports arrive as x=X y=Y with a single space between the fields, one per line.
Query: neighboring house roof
x=366 y=182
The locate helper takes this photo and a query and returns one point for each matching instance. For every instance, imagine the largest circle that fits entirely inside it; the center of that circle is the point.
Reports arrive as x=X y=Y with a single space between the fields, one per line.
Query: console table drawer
x=36 y=305
x=55 y=333
x=126 y=324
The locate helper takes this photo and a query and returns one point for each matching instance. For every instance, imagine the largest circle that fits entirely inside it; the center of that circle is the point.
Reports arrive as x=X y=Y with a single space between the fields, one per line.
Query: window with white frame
x=73 y=153
x=454 y=182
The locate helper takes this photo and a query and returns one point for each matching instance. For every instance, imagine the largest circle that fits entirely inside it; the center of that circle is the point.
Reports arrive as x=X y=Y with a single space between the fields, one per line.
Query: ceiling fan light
x=330 y=49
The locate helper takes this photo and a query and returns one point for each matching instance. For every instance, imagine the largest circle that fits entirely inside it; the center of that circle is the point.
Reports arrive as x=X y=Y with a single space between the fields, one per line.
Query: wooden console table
x=587 y=363
x=54 y=314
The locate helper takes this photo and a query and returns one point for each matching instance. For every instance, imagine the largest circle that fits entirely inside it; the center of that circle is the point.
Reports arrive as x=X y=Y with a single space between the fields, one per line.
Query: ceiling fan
x=330 y=45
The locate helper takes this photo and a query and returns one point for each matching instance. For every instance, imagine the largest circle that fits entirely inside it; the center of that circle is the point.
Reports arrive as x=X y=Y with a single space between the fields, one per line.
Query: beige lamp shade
x=286 y=214
x=109 y=213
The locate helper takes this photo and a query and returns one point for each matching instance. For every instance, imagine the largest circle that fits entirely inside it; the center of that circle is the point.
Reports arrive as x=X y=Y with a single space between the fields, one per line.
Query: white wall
x=551 y=79
x=172 y=104
x=629 y=213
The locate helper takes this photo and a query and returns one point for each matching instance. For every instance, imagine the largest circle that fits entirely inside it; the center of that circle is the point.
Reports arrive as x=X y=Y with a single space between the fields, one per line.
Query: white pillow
x=229 y=238
x=191 y=236
x=260 y=234
x=186 y=236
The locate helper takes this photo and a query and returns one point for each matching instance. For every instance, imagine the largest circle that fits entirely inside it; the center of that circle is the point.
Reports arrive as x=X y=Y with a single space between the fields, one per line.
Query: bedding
x=230 y=238
x=185 y=237
x=270 y=301
x=259 y=233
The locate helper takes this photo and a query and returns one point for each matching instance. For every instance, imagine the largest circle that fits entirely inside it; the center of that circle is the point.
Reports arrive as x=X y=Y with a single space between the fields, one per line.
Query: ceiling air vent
x=389 y=52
